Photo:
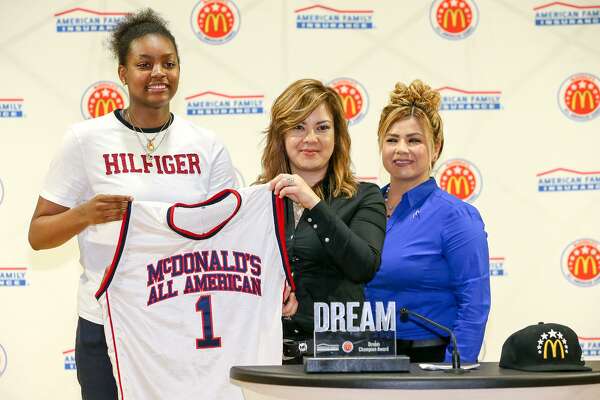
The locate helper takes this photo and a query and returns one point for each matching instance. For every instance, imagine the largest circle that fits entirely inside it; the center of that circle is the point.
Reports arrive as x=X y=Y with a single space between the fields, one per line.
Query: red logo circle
x=583 y=261
x=454 y=19
x=582 y=96
x=102 y=98
x=347 y=346
x=216 y=20
x=354 y=98
x=579 y=97
x=460 y=178
x=454 y=16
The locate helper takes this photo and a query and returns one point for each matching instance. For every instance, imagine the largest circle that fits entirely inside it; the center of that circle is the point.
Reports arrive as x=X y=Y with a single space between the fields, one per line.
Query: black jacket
x=333 y=251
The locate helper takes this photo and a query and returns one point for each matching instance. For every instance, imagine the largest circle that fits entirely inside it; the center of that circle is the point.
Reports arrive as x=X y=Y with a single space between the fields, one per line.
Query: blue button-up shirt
x=435 y=262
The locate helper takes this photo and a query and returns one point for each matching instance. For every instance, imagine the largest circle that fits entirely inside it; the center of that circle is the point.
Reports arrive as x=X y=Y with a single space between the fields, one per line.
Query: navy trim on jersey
x=110 y=271
x=214 y=199
x=278 y=218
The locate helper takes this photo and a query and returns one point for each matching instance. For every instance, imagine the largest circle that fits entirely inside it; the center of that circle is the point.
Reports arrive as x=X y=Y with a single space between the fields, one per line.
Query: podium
x=489 y=382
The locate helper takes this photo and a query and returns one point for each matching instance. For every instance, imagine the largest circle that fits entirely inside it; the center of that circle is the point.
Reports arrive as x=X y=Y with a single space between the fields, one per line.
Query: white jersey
x=194 y=290
x=103 y=156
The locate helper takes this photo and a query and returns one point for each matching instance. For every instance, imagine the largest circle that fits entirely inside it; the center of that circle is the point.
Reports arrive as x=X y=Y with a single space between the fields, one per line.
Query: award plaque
x=355 y=337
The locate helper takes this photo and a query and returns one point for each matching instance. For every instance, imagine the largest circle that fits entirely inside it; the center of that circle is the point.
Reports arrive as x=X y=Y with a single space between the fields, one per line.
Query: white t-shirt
x=104 y=156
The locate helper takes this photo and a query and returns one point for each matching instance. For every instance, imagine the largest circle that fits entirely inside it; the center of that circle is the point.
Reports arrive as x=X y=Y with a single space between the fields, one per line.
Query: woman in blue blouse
x=435 y=256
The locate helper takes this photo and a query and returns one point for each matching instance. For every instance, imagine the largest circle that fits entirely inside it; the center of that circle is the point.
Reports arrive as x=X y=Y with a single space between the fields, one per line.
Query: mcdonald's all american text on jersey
x=208 y=270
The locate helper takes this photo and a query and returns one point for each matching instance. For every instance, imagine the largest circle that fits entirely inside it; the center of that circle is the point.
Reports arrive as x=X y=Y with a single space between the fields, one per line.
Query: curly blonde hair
x=420 y=101
x=292 y=107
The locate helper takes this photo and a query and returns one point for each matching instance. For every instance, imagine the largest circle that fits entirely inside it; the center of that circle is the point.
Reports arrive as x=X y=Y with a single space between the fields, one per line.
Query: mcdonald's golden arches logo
x=454 y=19
x=552 y=345
x=215 y=21
x=579 y=97
x=354 y=98
x=581 y=262
x=460 y=178
x=102 y=98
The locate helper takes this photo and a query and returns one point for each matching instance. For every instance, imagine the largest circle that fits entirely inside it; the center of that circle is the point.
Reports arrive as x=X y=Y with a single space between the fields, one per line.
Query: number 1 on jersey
x=203 y=306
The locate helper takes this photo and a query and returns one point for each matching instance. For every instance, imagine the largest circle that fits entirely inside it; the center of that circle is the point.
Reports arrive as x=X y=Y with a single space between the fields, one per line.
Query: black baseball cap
x=543 y=347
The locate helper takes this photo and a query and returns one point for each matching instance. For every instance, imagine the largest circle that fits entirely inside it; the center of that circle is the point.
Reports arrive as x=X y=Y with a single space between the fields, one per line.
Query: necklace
x=150 y=147
x=388 y=208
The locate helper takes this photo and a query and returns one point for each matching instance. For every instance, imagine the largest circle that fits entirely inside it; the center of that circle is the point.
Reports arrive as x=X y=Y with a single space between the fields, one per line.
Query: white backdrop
x=520 y=86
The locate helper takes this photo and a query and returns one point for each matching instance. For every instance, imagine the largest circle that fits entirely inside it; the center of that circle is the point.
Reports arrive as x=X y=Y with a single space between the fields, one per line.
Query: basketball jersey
x=194 y=289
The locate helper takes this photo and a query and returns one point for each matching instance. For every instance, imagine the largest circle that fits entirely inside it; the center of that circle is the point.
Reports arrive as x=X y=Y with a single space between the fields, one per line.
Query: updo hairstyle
x=420 y=101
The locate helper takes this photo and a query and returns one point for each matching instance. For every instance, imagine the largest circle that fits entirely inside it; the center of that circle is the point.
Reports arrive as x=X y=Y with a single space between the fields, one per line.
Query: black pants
x=94 y=370
x=422 y=354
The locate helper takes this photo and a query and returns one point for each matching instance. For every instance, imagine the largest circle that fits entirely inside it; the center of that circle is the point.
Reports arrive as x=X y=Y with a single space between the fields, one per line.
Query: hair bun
x=418 y=94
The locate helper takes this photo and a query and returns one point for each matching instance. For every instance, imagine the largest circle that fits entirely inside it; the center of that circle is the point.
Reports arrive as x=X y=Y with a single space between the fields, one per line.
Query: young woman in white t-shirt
x=143 y=152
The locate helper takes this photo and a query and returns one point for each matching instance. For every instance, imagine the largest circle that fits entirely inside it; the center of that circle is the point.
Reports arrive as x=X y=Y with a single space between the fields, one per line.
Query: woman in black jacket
x=335 y=225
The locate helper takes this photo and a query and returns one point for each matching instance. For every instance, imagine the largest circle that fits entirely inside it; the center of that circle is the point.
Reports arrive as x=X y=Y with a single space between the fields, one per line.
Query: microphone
x=404 y=312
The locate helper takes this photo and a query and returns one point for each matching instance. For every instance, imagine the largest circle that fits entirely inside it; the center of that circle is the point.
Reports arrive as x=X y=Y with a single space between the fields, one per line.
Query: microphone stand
x=456 y=369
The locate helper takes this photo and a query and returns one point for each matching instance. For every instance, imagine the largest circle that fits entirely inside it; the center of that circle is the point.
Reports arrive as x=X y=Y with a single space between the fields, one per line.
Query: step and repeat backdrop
x=520 y=83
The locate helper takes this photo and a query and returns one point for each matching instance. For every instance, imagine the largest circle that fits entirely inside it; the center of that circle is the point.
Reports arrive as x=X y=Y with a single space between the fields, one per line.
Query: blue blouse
x=435 y=262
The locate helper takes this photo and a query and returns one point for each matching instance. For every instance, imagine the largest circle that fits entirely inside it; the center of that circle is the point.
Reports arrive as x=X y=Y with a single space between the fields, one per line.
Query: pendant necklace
x=388 y=208
x=150 y=147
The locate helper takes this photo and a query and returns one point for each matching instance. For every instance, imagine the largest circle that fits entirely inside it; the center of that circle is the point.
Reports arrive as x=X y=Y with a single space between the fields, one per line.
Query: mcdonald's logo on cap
x=102 y=98
x=354 y=98
x=553 y=345
x=460 y=178
x=454 y=19
x=579 y=97
x=215 y=21
x=581 y=262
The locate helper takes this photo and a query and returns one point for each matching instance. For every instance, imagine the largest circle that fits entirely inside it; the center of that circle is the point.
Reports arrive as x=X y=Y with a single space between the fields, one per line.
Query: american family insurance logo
x=11 y=108
x=323 y=17
x=454 y=19
x=454 y=99
x=11 y=277
x=213 y=103
x=102 y=98
x=497 y=266
x=560 y=13
x=354 y=98
x=567 y=180
x=215 y=21
x=460 y=178
x=69 y=360
x=579 y=97
x=76 y=20
x=580 y=262
x=590 y=347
